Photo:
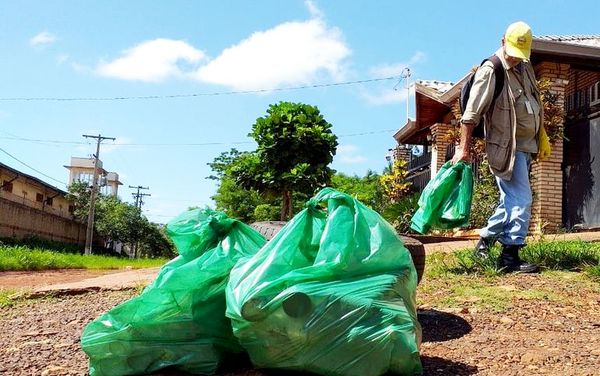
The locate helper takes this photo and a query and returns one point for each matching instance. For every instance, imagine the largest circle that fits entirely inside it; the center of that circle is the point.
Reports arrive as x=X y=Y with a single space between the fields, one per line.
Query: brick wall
x=579 y=79
x=547 y=176
x=439 y=133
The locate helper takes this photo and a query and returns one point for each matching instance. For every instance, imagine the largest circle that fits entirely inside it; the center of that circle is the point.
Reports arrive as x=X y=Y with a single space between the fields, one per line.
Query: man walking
x=514 y=132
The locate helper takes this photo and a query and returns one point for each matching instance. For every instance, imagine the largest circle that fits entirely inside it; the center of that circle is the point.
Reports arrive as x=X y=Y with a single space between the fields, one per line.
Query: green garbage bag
x=179 y=319
x=446 y=200
x=332 y=293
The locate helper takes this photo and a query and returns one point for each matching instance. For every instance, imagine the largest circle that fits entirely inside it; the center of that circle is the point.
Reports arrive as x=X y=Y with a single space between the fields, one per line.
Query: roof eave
x=548 y=47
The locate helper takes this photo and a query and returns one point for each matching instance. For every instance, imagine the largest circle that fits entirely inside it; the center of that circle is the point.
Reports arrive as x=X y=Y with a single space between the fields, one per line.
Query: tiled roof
x=582 y=40
x=440 y=86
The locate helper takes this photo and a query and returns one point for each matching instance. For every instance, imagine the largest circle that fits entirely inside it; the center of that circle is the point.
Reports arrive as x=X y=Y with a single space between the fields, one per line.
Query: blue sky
x=110 y=49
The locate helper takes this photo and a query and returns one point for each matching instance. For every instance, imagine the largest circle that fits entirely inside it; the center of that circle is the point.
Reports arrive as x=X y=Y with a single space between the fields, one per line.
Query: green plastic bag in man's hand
x=446 y=200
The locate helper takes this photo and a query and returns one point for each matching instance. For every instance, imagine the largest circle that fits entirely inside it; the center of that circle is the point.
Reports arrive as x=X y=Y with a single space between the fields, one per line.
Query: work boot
x=483 y=246
x=509 y=261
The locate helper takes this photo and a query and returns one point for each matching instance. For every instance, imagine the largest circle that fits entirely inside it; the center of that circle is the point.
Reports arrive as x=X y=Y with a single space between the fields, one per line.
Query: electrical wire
x=25 y=164
x=16 y=138
x=194 y=95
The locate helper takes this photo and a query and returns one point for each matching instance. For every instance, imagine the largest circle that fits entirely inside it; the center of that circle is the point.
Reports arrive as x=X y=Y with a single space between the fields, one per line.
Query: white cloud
x=291 y=53
x=349 y=154
x=314 y=11
x=152 y=61
x=385 y=93
x=388 y=95
x=62 y=58
x=386 y=70
x=43 y=38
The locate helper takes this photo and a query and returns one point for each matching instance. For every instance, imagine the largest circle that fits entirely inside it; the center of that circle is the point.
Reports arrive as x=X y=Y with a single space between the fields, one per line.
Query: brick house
x=565 y=193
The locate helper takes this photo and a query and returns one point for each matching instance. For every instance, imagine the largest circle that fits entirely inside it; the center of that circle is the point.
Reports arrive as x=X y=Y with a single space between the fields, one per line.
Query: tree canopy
x=118 y=221
x=295 y=147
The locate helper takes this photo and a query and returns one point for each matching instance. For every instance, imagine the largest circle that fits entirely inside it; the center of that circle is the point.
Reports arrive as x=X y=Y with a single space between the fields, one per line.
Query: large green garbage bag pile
x=332 y=293
x=445 y=202
x=178 y=320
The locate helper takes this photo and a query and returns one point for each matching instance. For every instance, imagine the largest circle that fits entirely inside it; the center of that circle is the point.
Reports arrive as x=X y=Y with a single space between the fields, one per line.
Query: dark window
x=49 y=201
x=39 y=197
x=7 y=186
x=71 y=209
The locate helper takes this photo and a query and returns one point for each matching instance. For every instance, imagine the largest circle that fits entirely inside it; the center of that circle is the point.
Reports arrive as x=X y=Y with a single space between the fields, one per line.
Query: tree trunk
x=286 y=205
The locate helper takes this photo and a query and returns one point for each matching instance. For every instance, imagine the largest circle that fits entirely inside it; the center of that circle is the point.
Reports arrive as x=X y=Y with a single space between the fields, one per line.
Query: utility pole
x=139 y=196
x=90 y=225
x=138 y=204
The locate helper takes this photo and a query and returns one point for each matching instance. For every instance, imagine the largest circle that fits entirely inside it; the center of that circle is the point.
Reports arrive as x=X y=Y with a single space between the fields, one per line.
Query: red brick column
x=440 y=134
x=547 y=176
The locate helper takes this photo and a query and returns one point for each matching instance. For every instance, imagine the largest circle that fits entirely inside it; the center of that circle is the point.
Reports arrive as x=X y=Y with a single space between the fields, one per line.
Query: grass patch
x=594 y=272
x=6 y=299
x=549 y=255
x=18 y=258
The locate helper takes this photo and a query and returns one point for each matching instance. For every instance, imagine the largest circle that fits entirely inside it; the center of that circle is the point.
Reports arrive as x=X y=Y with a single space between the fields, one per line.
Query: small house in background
x=82 y=169
x=567 y=185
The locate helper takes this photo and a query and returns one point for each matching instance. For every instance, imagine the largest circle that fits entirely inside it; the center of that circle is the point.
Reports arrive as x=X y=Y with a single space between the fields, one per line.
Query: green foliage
x=400 y=212
x=394 y=182
x=266 y=212
x=564 y=255
x=231 y=198
x=23 y=258
x=118 y=221
x=36 y=242
x=7 y=297
x=295 y=147
x=79 y=195
x=485 y=196
x=594 y=272
x=367 y=189
x=550 y=255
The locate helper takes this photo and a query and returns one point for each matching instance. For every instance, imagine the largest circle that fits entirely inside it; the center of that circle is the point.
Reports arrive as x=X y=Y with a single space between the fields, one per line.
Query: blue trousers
x=510 y=222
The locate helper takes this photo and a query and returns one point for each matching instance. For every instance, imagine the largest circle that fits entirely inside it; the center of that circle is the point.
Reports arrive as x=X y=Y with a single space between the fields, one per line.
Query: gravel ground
x=533 y=336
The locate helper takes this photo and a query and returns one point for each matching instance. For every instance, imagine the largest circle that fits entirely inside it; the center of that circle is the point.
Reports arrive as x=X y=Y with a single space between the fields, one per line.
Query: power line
x=26 y=165
x=194 y=95
x=34 y=140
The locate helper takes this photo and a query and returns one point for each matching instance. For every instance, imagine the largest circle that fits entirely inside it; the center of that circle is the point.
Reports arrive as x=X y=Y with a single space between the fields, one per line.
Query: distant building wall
x=19 y=221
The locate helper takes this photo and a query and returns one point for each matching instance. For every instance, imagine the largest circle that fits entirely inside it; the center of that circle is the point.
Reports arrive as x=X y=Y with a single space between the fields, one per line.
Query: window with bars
x=595 y=94
x=7 y=186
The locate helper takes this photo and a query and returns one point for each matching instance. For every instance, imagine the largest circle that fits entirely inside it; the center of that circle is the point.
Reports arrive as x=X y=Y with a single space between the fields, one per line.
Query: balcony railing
x=419 y=180
x=418 y=162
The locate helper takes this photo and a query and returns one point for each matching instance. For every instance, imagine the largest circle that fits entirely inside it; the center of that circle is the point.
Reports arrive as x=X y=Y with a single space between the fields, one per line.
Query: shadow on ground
x=441 y=326
x=437 y=326
x=432 y=365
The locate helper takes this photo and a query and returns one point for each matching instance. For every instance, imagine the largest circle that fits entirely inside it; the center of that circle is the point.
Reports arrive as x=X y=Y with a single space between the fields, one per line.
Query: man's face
x=512 y=61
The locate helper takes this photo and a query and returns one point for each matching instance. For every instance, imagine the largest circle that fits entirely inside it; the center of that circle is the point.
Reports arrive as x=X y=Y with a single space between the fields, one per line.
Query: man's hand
x=461 y=154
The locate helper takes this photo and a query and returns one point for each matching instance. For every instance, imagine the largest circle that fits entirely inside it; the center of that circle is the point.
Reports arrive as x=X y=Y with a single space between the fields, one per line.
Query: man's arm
x=463 y=152
x=480 y=98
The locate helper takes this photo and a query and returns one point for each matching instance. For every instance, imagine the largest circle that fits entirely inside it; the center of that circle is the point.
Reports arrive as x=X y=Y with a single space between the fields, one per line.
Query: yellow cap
x=517 y=40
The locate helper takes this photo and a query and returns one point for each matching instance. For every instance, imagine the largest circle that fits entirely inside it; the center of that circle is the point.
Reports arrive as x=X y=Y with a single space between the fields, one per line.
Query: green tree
x=119 y=221
x=235 y=200
x=366 y=189
x=295 y=147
